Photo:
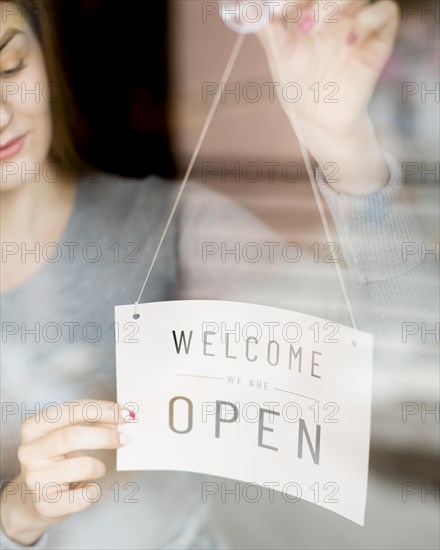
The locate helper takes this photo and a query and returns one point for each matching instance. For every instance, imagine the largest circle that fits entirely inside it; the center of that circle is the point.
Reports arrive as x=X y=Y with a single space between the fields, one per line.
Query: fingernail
x=127 y=415
x=306 y=24
x=352 y=38
x=123 y=438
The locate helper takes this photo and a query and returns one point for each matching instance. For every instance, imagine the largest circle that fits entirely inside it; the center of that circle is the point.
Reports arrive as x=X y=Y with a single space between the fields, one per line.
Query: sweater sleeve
x=382 y=243
x=394 y=290
x=8 y=544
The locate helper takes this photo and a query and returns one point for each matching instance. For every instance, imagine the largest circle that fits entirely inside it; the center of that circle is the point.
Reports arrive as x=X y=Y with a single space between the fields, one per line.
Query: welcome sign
x=248 y=392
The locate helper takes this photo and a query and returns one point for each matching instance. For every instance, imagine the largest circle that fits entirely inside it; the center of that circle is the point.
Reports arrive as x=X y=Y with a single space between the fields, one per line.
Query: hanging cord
x=229 y=66
x=306 y=157
x=305 y=154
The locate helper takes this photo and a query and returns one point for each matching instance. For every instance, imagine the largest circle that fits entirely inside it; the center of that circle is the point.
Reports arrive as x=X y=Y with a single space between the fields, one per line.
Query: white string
x=305 y=154
x=306 y=157
x=229 y=66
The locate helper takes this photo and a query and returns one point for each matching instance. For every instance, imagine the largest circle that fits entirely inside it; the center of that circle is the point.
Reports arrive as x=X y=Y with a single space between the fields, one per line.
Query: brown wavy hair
x=39 y=14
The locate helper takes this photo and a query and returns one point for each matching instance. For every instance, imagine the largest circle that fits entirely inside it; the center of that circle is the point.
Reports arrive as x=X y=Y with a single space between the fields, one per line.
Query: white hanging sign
x=249 y=392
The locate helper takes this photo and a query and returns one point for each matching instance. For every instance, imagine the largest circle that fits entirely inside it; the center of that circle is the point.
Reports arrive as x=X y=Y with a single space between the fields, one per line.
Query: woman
x=42 y=203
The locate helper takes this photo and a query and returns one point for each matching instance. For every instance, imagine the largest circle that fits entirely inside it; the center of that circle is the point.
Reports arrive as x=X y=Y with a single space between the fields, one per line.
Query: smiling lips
x=12 y=147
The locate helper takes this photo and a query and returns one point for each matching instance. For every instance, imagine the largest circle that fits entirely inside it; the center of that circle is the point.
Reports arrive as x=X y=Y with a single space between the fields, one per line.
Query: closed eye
x=14 y=70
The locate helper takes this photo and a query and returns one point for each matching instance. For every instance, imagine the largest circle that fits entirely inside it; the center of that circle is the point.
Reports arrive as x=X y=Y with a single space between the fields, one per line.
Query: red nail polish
x=127 y=415
x=352 y=38
x=306 y=24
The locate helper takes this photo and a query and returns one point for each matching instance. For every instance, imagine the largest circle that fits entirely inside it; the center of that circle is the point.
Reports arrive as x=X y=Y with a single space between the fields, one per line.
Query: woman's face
x=25 y=110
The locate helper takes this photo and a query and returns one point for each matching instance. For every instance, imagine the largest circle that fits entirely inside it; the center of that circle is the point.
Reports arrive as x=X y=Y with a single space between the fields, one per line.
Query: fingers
x=350 y=7
x=353 y=21
x=343 y=12
x=37 y=454
x=303 y=16
x=381 y=20
x=70 y=413
x=277 y=32
x=72 y=470
x=311 y=16
x=59 y=504
x=288 y=8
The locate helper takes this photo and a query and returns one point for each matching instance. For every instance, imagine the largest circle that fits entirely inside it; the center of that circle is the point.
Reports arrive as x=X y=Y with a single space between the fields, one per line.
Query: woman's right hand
x=53 y=466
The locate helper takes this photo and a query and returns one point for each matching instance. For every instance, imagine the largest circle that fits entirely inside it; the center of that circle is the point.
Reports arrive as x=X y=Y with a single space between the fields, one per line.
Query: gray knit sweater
x=58 y=333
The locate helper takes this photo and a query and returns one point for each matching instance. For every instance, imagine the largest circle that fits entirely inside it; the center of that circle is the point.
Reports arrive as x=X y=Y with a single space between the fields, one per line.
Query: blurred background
x=152 y=59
